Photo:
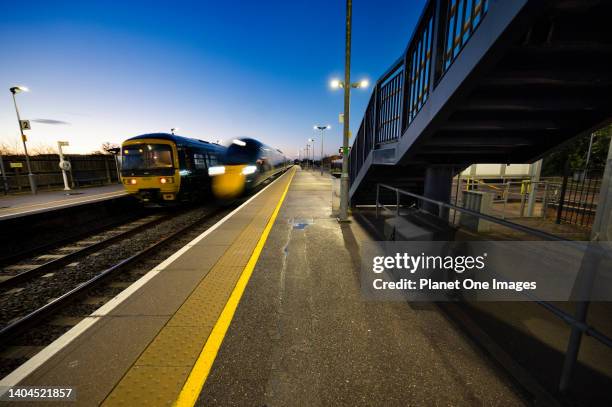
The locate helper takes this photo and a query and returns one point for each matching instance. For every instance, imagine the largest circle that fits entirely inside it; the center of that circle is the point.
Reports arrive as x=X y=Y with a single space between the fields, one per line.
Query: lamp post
x=14 y=90
x=322 y=129
x=346 y=85
x=311 y=140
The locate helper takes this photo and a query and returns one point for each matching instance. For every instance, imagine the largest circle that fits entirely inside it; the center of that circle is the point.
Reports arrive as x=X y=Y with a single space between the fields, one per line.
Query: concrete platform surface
x=12 y=206
x=303 y=335
x=300 y=333
x=140 y=347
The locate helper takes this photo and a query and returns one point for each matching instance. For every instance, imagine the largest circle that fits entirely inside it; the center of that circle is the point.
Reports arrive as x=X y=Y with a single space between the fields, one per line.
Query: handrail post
x=377 y=197
x=545 y=200
x=437 y=46
x=397 y=202
x=506 y=195
x=376 y=118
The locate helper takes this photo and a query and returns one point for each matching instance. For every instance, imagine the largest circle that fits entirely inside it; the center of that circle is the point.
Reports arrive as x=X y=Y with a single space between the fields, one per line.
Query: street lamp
x=311 y=140
x=344 y=180
x=338 y=84
x=14 y=90
x=322 y=129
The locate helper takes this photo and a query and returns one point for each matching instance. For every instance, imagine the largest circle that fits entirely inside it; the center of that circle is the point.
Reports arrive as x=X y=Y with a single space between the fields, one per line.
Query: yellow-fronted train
x=165 y=168
x=246 y=164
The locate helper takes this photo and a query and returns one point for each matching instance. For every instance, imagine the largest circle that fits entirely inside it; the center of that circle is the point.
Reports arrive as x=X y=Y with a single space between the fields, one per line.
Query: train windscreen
x=237 y=154
x=146 y=156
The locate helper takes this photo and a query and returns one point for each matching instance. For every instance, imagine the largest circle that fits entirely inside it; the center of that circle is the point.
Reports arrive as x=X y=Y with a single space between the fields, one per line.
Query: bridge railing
x=445 y=26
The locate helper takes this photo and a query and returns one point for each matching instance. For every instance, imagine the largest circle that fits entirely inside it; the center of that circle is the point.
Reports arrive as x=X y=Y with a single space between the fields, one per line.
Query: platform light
x=31 y=178
x=321 y=129
x=217 y=170
x=249 y=169
x=335 y=84
x=239 y=142
x=364 y=83
x=17 y=89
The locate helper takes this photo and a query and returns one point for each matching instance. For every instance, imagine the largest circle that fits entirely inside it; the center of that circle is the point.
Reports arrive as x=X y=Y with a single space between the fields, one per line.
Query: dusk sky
x=216 y=70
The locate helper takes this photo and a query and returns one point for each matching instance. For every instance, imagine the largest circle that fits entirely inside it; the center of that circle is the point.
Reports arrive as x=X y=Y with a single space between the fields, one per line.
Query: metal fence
x=578 y=198
x=578 y=322
x=86 y=170
x=442 y=31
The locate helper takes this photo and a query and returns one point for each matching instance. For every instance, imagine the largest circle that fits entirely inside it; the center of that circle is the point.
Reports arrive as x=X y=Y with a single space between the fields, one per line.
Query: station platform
x=265 y=309
x=14 y=206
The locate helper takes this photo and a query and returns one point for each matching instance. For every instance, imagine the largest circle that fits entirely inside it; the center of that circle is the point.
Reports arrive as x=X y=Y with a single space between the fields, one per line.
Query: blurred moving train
x=162 y=167
x=247 y=163
x=165 y=168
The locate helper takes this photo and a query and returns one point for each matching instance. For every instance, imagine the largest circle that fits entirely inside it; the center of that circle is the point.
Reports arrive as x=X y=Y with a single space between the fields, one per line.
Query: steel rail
x=16 y=327
x=28 y=253
x=52 y=264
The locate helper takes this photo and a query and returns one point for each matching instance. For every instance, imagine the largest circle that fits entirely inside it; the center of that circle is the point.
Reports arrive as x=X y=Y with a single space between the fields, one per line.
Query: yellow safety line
x=195 y=382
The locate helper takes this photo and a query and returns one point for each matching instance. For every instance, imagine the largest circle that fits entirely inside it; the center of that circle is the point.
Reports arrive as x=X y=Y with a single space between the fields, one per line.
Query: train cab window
x=213 y=160
x=238 y=154
x=199 y=161
x=146 y=156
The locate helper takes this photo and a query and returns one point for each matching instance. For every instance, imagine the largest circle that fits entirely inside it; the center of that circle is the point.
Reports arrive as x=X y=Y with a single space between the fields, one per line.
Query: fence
x=442 y=31
x=86 y=170
x=578 y=322
x=578 y=198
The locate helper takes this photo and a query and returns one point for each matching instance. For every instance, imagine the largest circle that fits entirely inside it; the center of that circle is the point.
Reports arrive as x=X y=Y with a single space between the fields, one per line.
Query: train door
x=213 y=160
x=200 y=171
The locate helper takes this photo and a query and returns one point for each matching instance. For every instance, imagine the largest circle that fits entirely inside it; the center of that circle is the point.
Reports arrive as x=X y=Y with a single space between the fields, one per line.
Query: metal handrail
x=416 y=73
x=578 y=323
x=493 y=219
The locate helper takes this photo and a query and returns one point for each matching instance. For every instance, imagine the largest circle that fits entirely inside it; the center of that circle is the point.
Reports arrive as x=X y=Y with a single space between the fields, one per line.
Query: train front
x=150 y=169
x=241 y=169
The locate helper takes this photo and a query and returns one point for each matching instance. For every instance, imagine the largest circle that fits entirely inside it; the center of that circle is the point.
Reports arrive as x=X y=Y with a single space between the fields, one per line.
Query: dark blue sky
x=216 y=70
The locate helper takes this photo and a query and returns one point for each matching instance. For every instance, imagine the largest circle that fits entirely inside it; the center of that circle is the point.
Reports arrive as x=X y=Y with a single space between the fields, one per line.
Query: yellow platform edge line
x=195 y=382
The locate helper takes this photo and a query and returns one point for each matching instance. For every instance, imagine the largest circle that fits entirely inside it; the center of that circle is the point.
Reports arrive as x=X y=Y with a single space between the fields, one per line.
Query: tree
x=11 y=147
x=576 y=153
x=106 y=147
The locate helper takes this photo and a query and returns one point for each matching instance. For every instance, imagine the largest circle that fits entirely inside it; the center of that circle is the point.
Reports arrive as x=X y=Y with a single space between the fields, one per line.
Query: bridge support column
x=438 y=183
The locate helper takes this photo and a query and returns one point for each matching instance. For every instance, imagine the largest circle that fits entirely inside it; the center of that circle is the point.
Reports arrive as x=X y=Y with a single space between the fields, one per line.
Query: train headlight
x=217 y=170
x=249 y=169
x=133 y=181
x=166 y=180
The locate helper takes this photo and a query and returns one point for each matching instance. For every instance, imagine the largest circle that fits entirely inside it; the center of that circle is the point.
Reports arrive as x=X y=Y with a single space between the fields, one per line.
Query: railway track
x=35 y=262
x=23 y=336
x=28 y=253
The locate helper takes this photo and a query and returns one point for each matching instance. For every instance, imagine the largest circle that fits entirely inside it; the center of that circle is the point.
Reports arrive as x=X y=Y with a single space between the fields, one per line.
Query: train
x=167 y=168
x=162 y=168
x=247 y=164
